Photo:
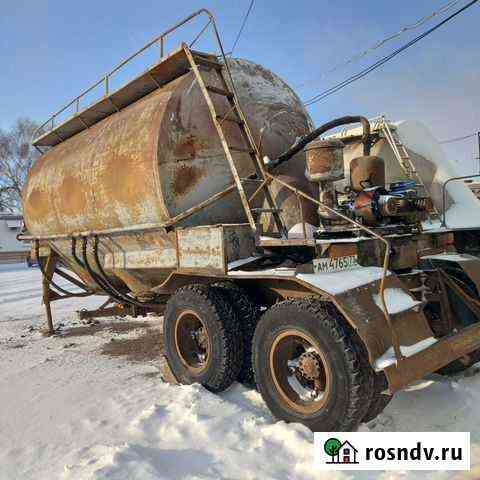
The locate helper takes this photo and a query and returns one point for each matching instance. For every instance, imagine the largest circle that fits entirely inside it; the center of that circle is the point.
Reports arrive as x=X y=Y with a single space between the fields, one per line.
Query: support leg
x=48 y=309
x=47 y=294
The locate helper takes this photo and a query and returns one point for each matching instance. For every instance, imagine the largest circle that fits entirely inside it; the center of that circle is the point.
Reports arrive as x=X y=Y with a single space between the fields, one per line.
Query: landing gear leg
x=50 y=265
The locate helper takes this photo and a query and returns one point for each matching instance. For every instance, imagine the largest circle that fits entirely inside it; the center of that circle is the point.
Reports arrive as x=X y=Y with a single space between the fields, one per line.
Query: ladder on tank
x=405 y=161
x=236 y=115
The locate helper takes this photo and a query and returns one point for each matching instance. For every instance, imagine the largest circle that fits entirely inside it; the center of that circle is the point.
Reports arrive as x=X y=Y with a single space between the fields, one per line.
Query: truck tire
x=203 y=342
x=379 y=399
x=248 y=313
x=308 y=366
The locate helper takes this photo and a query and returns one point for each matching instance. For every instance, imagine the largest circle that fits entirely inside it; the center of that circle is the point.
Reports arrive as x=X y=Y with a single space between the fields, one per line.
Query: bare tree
x=16 y=159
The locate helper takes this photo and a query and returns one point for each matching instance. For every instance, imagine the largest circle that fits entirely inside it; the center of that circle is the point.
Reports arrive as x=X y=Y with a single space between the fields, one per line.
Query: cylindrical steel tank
x=162 y=155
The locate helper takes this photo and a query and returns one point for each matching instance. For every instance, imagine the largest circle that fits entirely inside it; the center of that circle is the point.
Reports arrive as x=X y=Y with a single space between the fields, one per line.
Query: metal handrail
x=444 y=195
x=160 y=39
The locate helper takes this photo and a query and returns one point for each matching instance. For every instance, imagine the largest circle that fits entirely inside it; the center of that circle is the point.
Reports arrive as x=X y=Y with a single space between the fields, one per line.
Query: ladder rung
x=229 y=119
x=207 y=62
x=242 y=150
x=219 y=91
x=266 y=210
x=251 y=180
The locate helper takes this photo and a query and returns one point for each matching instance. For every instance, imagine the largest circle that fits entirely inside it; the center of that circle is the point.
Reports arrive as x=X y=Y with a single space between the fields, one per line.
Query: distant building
x=11 y=250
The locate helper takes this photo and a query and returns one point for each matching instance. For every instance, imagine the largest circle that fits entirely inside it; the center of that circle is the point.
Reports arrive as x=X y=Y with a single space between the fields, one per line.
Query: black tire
x=367 y=371
x=225 y=345
x=379 y=400
x=248 y=313
x=350 y=387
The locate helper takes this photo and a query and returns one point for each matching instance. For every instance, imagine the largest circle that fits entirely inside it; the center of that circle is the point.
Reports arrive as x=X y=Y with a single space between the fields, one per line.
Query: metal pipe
x=95 y=277
x=444 y=194
x=104 y=277
x=321 y=130
x=86 y=266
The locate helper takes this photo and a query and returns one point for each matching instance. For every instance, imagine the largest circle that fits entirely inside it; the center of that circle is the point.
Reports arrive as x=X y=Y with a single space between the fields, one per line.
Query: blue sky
x=51 y=50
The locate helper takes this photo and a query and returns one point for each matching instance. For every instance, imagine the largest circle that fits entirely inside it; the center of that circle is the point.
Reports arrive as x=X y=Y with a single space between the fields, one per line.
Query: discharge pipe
x=298 y=146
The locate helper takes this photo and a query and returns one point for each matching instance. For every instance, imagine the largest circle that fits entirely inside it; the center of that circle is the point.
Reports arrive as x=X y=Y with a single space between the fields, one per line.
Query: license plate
x=334 y=264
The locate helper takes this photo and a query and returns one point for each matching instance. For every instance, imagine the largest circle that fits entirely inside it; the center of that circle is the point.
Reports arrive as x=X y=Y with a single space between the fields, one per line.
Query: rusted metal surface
x=238 y=242
x=154 y=161
x=404 y=254
x=193 y=342
x=327 y=198
x=211 y=249
x=362 y=312
x=312 y=371
x=366 y=172
x=201 y=249
x=141 y=259
x=324 y=160
x=471 y=266
x=223 y=138
x=443 y=352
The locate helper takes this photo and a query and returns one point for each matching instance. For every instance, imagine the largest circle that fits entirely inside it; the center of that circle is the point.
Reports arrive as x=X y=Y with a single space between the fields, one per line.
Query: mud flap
x=429 y=360
x=361 y=308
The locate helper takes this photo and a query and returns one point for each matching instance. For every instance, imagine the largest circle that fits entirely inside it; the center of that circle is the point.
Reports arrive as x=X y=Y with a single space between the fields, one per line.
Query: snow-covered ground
x=68 y=410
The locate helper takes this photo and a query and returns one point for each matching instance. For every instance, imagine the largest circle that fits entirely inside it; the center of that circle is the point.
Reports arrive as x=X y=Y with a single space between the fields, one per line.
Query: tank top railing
x=105 y=82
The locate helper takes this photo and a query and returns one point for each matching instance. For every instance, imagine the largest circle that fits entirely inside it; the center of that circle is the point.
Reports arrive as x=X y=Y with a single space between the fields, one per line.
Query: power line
x=245 y=18
x=445 y=8
x=385 y=59
x=458 y=139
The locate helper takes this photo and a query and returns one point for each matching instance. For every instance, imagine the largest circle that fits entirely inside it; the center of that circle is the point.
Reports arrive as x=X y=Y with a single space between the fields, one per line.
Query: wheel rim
x=192 y=342
x=300 y=371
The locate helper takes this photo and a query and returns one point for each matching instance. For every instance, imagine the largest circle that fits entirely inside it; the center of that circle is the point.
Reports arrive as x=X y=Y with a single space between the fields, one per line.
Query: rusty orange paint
x=160 y=156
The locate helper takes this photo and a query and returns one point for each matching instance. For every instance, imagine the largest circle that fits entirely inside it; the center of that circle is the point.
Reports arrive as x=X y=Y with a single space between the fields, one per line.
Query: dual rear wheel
x=308 y=365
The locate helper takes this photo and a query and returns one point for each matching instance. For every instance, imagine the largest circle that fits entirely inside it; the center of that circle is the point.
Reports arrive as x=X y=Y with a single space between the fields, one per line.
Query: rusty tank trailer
x=330 y=272
x=158 y=157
